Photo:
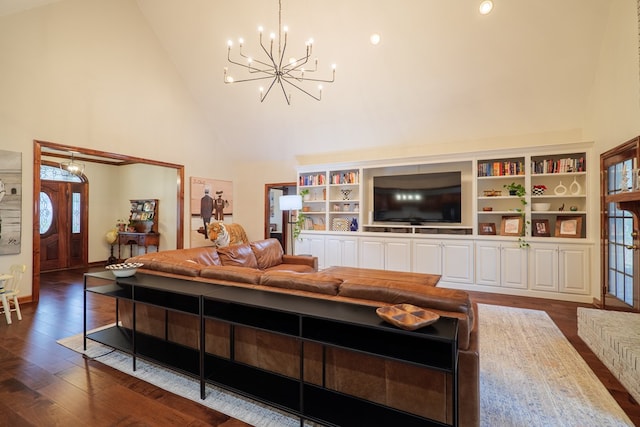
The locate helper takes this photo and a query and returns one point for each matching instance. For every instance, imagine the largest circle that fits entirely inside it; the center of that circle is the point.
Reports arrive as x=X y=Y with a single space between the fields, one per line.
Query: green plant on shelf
x=519 y=191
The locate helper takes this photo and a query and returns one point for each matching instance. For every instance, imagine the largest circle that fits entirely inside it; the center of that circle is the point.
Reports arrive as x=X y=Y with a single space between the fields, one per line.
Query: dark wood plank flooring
x=45 y=384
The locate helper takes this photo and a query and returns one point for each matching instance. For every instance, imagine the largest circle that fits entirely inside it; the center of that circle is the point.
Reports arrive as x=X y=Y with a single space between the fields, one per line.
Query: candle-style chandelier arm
x=317 y=98
x=249 y=67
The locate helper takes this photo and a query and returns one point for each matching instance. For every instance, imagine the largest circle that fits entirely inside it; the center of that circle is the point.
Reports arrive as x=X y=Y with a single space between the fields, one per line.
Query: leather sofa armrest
x=311 y=261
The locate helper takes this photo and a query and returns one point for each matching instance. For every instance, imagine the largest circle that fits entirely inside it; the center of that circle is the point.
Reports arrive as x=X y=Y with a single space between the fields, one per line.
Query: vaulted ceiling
x=441 y=73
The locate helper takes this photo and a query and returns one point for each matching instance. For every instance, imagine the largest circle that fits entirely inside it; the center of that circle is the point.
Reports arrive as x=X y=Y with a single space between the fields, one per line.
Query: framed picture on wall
x=540 y=228
x=487 y=229
x=569 y=226
x=511 y=225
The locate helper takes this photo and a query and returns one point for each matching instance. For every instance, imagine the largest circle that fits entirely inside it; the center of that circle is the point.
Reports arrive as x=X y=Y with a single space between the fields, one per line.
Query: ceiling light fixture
x=72 y=167
x=276 y=68
x=486 y=7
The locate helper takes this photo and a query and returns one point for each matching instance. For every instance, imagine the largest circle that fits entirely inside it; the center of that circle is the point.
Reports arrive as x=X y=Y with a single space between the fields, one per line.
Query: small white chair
x=10 y=292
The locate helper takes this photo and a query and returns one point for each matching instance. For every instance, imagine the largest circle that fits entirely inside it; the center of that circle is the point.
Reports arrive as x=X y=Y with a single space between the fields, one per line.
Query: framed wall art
x=10 y=202
x=511 y=225
x=540 y=228
x=569 y=226
x=487 y=229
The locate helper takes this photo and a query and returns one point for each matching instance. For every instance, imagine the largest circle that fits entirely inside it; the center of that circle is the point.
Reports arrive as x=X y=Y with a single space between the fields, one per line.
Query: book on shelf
x=352 y=177
x=565 y=165
x=501 y=168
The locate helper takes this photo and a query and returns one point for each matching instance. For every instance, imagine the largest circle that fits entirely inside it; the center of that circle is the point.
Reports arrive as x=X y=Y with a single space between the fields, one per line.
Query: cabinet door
x=544 y=267
x=372 y=253
x=341 y=251
x=488 y=263
x=457 y=261
x=398 y=255
x=333 y=252
x=573 y=269
x=311 y=245
x=427 y=256
x=350 y=252
x=513 y=271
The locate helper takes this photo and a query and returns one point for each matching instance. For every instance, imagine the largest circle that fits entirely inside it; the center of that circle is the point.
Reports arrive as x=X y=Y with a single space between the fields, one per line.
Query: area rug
x=530 y=375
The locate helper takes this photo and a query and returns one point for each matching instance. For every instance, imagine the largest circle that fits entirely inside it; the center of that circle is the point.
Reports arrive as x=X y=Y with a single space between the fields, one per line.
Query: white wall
x=91 y=73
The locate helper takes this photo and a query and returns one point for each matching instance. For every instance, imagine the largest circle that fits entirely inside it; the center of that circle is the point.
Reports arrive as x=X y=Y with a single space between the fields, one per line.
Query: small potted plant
x=515 y=189
x=305 y=194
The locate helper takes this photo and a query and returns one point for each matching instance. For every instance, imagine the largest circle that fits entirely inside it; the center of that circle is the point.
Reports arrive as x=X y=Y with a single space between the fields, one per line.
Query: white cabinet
x=313 y=245
x=452 y=259
x=341 y=251
x=385 y=254
x=560 y=268
x=501 y=264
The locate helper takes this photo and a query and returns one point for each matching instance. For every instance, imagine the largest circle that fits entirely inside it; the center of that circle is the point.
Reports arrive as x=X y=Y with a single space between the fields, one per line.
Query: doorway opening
x=51 y=150
x=276 y=221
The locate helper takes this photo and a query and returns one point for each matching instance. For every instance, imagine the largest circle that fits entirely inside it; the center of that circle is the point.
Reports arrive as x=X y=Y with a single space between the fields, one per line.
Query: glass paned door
x=620 y=227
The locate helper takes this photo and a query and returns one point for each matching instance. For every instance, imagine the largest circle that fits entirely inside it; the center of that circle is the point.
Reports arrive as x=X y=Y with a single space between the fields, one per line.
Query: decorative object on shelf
x=306 y=195
x=319 y=226
x=569 y=226
x=492 y=193
x=624 y=178
x=407 y=316
x=487 y=209
x=336 y=207
x=512 y=225
x=515 y=189
x=72 y=167
x=538 y=189
x=127 y=269
x=575 y=188
x=354 y=224
x=561 y=208
x=279 y=69
x=340 y=224
x=487 y=229
x=346 y=192
x=111 y=237
x=573 y=208
x=540 y=228
x=540 y=206
x=346 y=207
x=560 y=189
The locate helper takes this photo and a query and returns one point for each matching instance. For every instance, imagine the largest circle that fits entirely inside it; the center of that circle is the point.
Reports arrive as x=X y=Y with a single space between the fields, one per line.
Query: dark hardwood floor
x=45 y=384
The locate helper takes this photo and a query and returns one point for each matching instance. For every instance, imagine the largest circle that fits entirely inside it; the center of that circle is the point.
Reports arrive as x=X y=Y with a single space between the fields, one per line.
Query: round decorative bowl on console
x=540 y=206
x=126 y=269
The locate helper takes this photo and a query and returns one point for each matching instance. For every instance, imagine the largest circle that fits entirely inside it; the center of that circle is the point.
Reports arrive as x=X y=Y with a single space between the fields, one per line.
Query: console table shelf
x=331 y=324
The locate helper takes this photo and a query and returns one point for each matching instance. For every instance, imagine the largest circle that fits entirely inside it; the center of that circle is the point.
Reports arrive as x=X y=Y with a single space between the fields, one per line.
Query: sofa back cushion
x=268 y=253
x=232 y=274
x=311 y=282
x=238 y=255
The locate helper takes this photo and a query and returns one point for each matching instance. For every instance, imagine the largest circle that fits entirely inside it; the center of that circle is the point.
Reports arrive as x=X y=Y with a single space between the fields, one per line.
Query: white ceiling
x=441 y=73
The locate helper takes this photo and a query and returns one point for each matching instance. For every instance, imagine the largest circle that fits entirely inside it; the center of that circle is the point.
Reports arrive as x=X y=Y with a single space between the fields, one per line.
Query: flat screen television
x=418 y=198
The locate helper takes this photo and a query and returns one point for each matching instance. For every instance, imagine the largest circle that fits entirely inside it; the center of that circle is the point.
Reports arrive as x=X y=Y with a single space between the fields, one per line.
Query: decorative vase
x=537 y=191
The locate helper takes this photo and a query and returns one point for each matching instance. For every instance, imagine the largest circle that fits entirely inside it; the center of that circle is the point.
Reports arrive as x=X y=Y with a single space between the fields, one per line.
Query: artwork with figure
x=10 y=201
x=211 y=201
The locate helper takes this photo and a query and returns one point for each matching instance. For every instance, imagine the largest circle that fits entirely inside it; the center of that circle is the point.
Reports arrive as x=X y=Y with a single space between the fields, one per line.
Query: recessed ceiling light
x=375 y=39
x=486 y=7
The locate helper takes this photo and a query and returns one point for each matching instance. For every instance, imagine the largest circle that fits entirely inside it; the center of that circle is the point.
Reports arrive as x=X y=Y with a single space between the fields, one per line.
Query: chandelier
x=282 y=72
x=72 y=167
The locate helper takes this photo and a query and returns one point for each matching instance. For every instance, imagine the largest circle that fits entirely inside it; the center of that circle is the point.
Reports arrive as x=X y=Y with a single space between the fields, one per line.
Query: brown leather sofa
x=262 y=265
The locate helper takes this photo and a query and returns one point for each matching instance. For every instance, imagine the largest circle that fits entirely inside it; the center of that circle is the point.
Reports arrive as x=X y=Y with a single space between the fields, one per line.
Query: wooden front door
x=63 y=225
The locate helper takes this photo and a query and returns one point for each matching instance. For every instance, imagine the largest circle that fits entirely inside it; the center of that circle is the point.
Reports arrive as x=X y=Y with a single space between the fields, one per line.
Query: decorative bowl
x=126 y=269
x=540 y=206
x=407 y=316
